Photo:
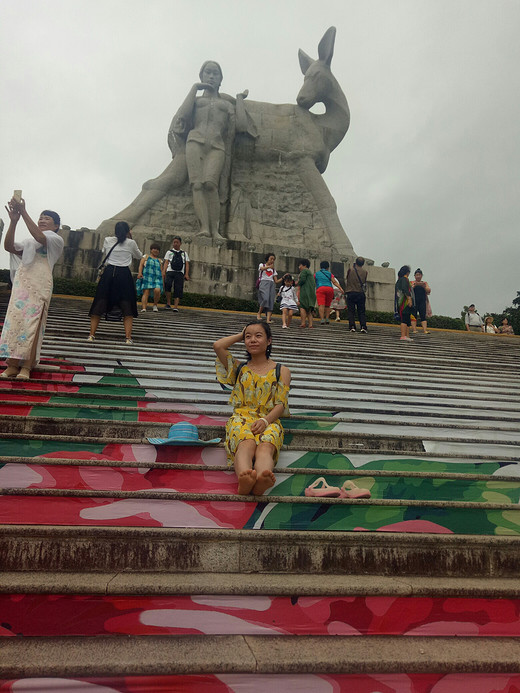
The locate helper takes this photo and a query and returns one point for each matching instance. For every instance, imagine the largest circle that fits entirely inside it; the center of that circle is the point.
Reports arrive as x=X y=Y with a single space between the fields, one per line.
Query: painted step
x=293 y=683
x=57 y=615
x=370 y=412
x=143 y=412
x=28 y=450
x=324 y=377
x=23 y=476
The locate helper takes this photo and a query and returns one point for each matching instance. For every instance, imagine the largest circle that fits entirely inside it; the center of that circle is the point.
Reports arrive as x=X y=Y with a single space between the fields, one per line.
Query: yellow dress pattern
x=253 y=397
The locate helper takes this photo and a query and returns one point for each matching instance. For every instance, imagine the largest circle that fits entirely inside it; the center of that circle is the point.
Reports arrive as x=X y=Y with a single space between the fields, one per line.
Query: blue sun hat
x=183 y=433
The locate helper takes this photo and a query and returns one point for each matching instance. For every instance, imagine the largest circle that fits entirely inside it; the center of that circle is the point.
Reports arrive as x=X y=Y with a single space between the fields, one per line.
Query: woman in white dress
x=34 y=259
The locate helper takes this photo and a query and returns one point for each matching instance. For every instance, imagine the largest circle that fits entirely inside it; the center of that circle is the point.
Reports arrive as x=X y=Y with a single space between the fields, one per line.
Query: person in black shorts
x=176 y=269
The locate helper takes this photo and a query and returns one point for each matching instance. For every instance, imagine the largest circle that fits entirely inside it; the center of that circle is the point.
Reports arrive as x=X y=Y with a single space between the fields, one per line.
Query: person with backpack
x=288 y=299
x=355 y=288
x=473 y=321
x=176 y=270
x=254 y=433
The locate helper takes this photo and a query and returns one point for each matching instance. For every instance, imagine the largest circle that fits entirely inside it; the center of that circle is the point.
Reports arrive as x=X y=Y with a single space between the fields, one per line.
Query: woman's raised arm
x=34 y=230
x=222 y=345
x=14 y=216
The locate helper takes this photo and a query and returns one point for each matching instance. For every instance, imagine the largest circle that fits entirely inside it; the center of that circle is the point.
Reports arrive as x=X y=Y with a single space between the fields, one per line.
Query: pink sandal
x=350 y=490
x=320 y=489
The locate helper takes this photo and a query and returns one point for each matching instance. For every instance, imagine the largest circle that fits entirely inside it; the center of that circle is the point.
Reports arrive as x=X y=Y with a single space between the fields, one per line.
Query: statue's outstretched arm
x=243 y=121
x=240 y=112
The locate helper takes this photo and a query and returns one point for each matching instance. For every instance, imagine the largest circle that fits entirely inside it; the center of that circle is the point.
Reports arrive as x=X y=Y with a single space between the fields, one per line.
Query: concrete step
x=124 y=583
x=342 y=436
x=132 y=432
x=137 y=549
x=192 y=654
x=117 y=411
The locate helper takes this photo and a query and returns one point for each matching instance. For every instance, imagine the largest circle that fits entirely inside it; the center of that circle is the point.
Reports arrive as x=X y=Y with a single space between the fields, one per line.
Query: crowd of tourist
x=33 y=259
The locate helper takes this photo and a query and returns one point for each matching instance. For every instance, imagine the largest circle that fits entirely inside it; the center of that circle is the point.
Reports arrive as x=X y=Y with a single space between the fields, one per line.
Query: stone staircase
x=130 y=568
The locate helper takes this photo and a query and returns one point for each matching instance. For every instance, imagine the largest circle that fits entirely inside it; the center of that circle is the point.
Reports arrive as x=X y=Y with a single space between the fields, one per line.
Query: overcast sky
x=427 y=175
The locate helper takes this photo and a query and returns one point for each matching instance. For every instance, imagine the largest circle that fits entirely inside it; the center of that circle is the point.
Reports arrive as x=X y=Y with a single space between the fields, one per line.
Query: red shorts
x=324 y=295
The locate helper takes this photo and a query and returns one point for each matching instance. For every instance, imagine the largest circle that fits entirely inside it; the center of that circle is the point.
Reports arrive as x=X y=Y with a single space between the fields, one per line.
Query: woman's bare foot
x=265 y=481
x=246 y=481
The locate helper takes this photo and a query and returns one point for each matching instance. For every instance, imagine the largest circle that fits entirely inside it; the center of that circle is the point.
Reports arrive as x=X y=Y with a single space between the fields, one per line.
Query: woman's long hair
x=268 y=334
x=122 y=230
x=405 y=269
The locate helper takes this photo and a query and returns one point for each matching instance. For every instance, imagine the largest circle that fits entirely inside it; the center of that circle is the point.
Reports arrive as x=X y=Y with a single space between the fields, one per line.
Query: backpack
x=177 y=261
x=278 y=370
x=281 y=292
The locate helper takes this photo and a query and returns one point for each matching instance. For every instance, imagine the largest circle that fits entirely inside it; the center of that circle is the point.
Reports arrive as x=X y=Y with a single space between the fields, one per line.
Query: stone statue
x=200 y=138
x=246 y=179
x=273 y=193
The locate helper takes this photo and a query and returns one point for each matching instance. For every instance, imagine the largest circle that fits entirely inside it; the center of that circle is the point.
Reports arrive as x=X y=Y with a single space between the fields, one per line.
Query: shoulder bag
x=101 y=267
x=361 y=284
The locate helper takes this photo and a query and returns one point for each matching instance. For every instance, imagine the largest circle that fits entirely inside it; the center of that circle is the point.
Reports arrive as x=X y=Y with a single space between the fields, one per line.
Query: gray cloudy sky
x=427 y=174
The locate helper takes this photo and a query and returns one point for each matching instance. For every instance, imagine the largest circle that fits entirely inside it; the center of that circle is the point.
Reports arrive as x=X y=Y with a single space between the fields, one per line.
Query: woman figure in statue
x=26 y=316
x=200 y=138
x=207 y=124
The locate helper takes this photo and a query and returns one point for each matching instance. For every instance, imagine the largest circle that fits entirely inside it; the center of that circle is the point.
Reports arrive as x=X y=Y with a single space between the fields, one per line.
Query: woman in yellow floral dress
x=254 y=434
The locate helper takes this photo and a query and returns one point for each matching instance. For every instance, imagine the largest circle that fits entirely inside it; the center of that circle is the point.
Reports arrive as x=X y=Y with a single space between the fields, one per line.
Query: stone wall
x=227 y=269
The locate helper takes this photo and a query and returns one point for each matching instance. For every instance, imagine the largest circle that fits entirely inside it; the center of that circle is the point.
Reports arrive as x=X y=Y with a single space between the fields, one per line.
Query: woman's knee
x=264 y=449
x=246 y=446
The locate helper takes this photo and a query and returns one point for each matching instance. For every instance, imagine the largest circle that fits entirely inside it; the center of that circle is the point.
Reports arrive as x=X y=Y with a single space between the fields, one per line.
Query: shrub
x=74 y=287
x=445 y=323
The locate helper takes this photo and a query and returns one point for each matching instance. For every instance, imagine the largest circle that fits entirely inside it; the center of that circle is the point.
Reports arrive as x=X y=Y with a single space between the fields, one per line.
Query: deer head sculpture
x=320 y=86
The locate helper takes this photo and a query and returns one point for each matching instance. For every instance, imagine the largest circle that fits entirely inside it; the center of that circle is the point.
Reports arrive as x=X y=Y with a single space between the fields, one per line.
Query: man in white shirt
x=175 y=269
x=474 y=322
